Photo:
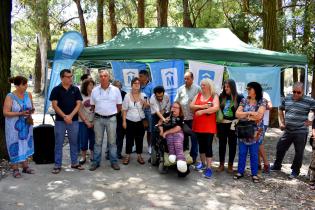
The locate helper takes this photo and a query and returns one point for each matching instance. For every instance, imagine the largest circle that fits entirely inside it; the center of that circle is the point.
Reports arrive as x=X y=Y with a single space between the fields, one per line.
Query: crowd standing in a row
x=88 y=112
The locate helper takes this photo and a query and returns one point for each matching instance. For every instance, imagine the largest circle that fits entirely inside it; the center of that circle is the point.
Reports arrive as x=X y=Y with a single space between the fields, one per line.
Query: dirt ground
x=138 y=186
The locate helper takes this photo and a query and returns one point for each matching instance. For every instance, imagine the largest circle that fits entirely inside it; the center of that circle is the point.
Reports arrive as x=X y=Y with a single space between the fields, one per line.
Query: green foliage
x=204 y=13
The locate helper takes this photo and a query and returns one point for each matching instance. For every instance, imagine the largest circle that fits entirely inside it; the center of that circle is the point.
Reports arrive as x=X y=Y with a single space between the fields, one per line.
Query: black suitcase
x=44 y=144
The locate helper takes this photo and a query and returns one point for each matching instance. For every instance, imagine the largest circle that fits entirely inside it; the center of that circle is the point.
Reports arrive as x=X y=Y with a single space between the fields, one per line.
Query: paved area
x=142 y=187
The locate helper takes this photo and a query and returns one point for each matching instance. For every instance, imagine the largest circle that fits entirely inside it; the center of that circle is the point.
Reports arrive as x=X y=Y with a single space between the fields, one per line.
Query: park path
x=141 y=186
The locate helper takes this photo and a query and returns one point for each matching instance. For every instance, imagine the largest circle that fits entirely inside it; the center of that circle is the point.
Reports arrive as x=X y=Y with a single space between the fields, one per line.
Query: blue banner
x=68 y=50
x=169 y=74
x=126 y=71
x=268 y=77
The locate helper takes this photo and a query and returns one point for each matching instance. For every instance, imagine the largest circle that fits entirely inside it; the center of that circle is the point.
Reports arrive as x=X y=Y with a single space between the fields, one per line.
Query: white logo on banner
x=128 y=75
x=69 y=47
x=169 y=78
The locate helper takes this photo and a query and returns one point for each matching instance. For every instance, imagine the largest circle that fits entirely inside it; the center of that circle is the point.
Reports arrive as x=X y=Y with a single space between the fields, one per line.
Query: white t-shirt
x=106 y=100
x=157 y=106
x=86 y=108
x=267 y=112
x=134 y=110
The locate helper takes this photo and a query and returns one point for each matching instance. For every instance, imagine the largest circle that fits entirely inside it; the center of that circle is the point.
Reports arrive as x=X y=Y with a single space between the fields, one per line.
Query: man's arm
x=119 y=106
x=281 y=119
x=58 y=111
x=76 y=109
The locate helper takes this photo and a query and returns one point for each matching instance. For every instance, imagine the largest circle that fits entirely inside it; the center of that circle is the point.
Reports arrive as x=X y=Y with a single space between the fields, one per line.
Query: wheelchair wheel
x=154 y=159
x=162 y=169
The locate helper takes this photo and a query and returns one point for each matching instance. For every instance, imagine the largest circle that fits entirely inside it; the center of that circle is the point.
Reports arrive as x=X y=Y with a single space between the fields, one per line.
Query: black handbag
x=245 y=129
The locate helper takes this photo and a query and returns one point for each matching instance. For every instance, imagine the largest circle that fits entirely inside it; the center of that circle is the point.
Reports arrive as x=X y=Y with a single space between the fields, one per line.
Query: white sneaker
x=172 y=158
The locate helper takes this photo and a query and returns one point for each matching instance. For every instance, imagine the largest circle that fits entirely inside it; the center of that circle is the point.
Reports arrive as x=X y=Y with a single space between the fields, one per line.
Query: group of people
x=90 y=112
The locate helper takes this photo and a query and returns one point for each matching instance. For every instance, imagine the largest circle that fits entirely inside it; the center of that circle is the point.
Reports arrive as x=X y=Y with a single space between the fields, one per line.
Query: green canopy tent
x=219 y=45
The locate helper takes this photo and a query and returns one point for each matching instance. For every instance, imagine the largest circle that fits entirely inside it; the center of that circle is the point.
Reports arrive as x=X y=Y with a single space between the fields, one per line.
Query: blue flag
x=126 y=71
x=68 y=50
x=169 y=74
x=267 y=77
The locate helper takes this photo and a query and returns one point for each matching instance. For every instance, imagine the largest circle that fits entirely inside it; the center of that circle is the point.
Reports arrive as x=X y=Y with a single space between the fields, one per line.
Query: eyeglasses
x=69 y=77
x=176 y=107
x=296 y=92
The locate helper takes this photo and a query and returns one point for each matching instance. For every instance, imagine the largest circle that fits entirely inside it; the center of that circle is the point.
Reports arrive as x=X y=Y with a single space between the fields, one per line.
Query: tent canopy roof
x=218 y=44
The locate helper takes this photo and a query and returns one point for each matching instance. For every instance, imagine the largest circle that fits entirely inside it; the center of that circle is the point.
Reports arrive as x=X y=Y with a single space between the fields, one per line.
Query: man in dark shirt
x=295 y=124
x=66 y=101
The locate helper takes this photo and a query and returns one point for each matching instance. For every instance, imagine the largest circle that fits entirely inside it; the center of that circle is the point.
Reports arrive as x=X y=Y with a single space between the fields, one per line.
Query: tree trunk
x=41 y=13
x=270 y=41
x=246 y=27
x=306 y=36
x=280 y=24
x=186 y=15
x=293 y=32
x=295 y=74
x=82 y=22
x=141 y=13
x=100 y=22
x=37 y=70
x=112 y=18
x=162 y=12
x=302 y=75
x=313 y=79
x=5 y=63
x=270 y=35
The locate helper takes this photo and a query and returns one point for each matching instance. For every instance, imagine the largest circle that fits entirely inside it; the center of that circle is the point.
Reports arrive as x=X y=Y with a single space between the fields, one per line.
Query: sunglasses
x=296 y=92
x=249 y=88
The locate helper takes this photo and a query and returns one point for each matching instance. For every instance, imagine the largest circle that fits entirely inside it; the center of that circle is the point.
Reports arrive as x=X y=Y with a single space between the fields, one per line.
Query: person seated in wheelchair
x=172 y=130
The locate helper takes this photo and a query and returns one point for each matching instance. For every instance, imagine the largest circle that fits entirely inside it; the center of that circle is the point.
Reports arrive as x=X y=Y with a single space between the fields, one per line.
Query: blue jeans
x=60 y=129
x=86 y=137
x=242 y=155
x=100 y=125
x=194 y=142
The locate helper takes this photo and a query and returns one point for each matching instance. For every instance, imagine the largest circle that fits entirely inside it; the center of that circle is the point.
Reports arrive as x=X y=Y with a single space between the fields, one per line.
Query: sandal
x=16 y=173
x=255 y=179
x=140 y=160
x=28 y=170
x=56 y=170
x=238 y=176
x=82 y=161
x=78 y=166
x=126 y=160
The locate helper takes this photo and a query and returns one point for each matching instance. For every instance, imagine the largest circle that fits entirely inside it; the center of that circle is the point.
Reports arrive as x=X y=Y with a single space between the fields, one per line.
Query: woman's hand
x=199 y=112
x=89 y=125
x=26 y=113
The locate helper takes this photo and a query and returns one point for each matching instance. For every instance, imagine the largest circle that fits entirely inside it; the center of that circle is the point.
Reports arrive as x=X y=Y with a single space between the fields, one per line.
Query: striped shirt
x=296 y=113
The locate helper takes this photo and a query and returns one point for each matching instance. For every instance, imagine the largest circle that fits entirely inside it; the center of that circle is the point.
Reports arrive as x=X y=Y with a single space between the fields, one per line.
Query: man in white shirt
x=185 y=94
x=159 y=104
x=107 y=102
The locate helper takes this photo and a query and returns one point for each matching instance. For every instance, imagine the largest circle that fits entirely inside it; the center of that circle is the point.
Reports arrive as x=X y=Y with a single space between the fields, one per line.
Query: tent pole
x=306 y=80
x=46 y=89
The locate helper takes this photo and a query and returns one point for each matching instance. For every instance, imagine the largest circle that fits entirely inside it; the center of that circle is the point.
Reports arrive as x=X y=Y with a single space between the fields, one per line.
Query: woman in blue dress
x=17 y=109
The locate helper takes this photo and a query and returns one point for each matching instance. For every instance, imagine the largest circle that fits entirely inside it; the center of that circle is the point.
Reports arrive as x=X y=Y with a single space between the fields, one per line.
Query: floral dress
x=19 y=134
x=259 y=125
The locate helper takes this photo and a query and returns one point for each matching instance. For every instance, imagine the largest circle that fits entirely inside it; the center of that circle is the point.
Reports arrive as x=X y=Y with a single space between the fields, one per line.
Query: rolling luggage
x=44 y=144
